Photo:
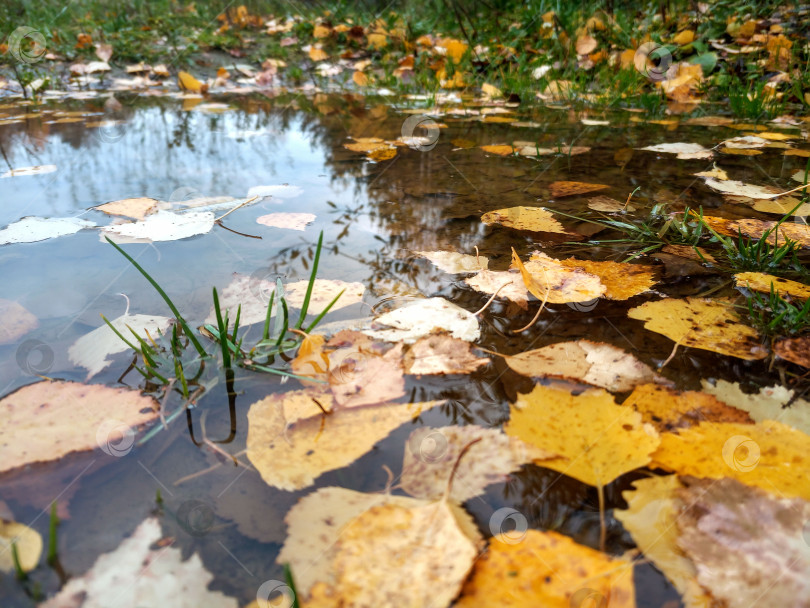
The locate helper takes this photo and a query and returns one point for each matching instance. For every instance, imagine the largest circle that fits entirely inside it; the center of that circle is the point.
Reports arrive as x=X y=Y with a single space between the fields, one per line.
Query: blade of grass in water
x=200 y=350
x=323 y=312
x=266 y=332
x=311 y=284
x=223 y=333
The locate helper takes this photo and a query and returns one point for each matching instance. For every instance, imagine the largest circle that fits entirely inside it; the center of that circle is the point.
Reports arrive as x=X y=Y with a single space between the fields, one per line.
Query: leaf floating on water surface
x=549 y=281
x=47 y=420
x=609 y=205
x=652 y=510
x=595 y=363
x=441 y=353
x=33 y=229
x=621 y=280
x=756 y=228
x=291 y=441
x=151 y=577
x=136 y=208
x=745 y=543
x=160 y=226
x=762 y=282
x=795 y=350
x=535 y=219
x=283 y=191
x=189 y=83
x=547 y=569
x=737 y=188
x=769 y=455
x=420 y=318
x=712 y=325
x=16 y=321
x=35 y=170
x=92 y=349
x=455 y=263
x=561 y=189
x=596 y=439
x=28 y=542
x=683 y=151
x=499 y=149
x=360 y=379
x=289 y=221
x=505 y=284
x=431 y=455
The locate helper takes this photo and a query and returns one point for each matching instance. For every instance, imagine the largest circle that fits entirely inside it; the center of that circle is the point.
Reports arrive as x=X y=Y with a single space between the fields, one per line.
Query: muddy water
x=373 y=215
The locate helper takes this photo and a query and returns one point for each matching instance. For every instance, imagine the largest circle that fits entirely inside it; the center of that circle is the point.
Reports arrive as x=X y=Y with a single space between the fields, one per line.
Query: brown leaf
x=441 y=353
x=16 y=321
x=561 y=189
x=795 y=350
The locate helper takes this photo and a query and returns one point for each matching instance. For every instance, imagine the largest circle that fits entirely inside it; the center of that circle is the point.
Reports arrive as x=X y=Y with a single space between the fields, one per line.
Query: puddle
x=373 y=216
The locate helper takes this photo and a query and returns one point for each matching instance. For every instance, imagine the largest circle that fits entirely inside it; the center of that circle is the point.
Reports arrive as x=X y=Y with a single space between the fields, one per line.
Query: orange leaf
x=560 y=189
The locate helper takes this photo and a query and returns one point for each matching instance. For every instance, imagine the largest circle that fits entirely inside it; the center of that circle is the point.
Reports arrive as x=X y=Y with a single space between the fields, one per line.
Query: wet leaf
x=781 y=206
x=736 y=188
x=609 y=205
x=795 y=350
x=28 y=542
x=682 y=150
x=715 y=173
x=621 y=280
x=160 y=226
x=282 y=191
x=535 y=219
x=712 y=325
x=381 y=154
x=756 y=228
x=33 y=229
x=507 y=285
x=561 y=189
x=652 y=509
x=47 y=420
x=686 y=251
x=499 y=149
x=292 y=429
x=667 y=409
x=418 y=319
x=597 y=440
x=549 y=281
x=455 y=263
x=92 y=349
x=441 y=354
x=769 y=455
x=288 y=221
x=361 y=379
x=594 y=363
x=151 y=577
x=17 y=321
x=189 y=83
x=323 y=292
x=769 y=403
x=745 y=543
x=137 y=208
x=431 y=455
x=550 y=570
x=35 y=170
x=762 y=282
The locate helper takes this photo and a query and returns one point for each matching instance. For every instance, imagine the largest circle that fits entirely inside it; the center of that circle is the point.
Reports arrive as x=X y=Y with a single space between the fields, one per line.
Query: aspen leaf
x=316 y=54
x=28 y=542
x=550 y=570
x=499 y=149
x=769 y=455
x=441 y=353
x=455 y=49
x=505 y=284
x=597 y=440
x=621 y=280
x=683 y=38
x=762 y=282
x=549 y=281
x=137 y=208
x=417 y=319
x=188 y=83
x=535 y=219
x=712 y=325
x=683 y=151
x=586 y=44
x=289 y=221
x=360 y=79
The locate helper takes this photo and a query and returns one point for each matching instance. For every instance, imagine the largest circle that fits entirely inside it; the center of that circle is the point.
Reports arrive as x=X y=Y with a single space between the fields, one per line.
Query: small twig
x=239 y=206
x=485 y=306
x=802 y=187
x=252 y=236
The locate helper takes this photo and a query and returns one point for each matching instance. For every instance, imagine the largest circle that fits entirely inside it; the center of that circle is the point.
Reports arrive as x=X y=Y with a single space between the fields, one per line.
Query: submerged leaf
x=28 y=543
x=33 y=229
x=561 y=189
x=535 y=219
x=16 y=321
x=441 y=354
x=455 y=263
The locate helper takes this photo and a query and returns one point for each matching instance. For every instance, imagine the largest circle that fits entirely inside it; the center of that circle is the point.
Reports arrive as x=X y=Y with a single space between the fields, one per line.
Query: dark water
x=373 y=215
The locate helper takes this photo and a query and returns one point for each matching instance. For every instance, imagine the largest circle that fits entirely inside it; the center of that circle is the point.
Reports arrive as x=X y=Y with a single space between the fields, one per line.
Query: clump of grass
x=777 y=316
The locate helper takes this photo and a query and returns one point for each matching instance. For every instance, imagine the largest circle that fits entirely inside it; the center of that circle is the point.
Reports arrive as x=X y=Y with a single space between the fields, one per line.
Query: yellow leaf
x=621 y=280
x=550 y=570
x=499 y=149
x=756 y=229
x=507 y=285
x=187 y=82
x=291 y=429
x=652 y=509
x=456 y=82
x=712 y=325
x=759 y=281
x=455 y=49
x=28 y=542
x=548 y=281
x=683 y=38
x=321 y=31
x=137 y=208
x=381 y=154
x=316 y=54
x=490 y=91
x=561 y=189
x=366 y=145
x=311 y=360
x=524 y=218
x=768 y=455
x=597 y=440
x=377 y=41
x=360 y=79
x=627 y=59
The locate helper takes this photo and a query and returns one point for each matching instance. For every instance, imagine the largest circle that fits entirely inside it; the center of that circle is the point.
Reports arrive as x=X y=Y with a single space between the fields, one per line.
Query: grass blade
x=311 y=284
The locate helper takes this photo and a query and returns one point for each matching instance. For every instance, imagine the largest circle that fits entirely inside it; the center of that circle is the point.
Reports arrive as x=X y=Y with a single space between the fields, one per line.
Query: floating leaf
x=762 y=282
x=507 y=285
x=35 y=170
x=283 y=191
x=33 y=229
x=360 y=379
x=547 y=569
x=431 y=455
x=597 y=440
x=188 y=83
x=441 y=354
x=292 y=429
x=608 y=205
x=549 y=281
x=288 y=221
x=418 y=319
x=682 y=150
x=800 y=233
x=535 y=219
x=92 y=349
x=769 y=455
x=47 y=420
x=712 y=325
x=499 y=149
x=455 y=263
x=137 y=208
x=561 y=189
x=151 y=577
x=17 y=321
x=28 y=543
x=621 y=280
x=795 y=350
x=160 y=226
x=730 y=186
x=594 y=363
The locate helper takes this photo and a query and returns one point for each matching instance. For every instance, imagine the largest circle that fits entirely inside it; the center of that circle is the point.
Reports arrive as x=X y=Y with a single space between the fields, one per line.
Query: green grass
x=777 y=316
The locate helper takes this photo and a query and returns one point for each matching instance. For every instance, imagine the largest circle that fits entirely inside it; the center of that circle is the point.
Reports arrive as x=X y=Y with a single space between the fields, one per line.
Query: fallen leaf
x=35 y=170
x=795 y=350
x=767 y=404
x=499 y=149
x=652 y=509
x=17 y=321
x=667 y=409
x=745 y=543
x=715 y=173
x=47 y=420
x=762 y=282
x=360 y=79
x=316 y=54
x=323 y=292
x=682 y=150
x=283 y=191
x=420 y=318
x=160 y=226
x=455 y=263
x=755 y=229
x=549 y=281
x=441 y=353
x=454 y=49
x=683 y=38
x=712 y=325
x=137 y=208
x=621 y=280
x=28 y=543
x=561 y=189
x=151 y=577
x=586 y=44
x=188 y=83
x=535 y=219
x=367 y=380
x=505 y=284
x=490 y=91
x=594 y=363
x=769 y=455
x=431 y=455
x=33 y=229
x=380 y=154
x=288 y=221
x=550 y=570
x=596 y=439
x=92 y=349
x=104 y=51
x=690 y=252
x=290 y=428
x=609 y=205
x=736 y=188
